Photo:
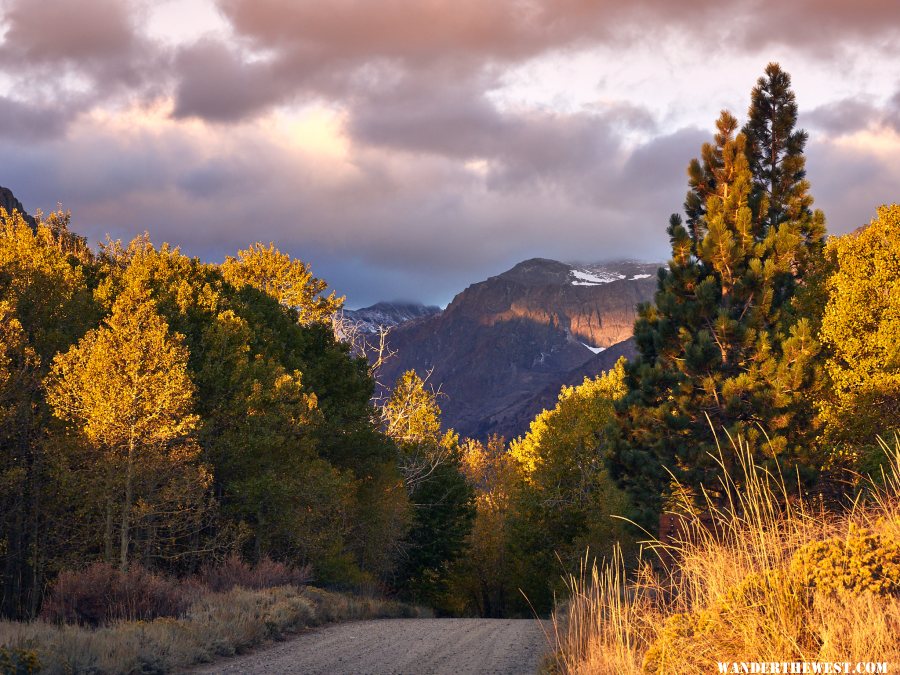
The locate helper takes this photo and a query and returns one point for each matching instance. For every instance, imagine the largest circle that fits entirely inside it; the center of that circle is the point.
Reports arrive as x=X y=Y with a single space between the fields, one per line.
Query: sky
x=408 y=148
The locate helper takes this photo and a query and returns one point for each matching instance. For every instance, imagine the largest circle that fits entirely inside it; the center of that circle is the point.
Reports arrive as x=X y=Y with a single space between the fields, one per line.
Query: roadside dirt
x=401 y=646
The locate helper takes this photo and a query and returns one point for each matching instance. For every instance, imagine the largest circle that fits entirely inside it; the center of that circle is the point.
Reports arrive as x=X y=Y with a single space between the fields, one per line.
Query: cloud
x=56 y=32
x=892 y=112
x=853 y=175
x=216 y=84
x=63 y=58
x=31 y=122
x=845 y=116
x=386 y=140
x=424 y=220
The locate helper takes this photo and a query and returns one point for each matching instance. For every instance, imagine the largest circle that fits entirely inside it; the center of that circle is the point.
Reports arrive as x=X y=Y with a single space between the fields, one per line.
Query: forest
x=166 y=414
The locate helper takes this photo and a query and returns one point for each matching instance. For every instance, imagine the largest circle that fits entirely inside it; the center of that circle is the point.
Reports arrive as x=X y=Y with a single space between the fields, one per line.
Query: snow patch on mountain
x=595 y=274
x=594 y=277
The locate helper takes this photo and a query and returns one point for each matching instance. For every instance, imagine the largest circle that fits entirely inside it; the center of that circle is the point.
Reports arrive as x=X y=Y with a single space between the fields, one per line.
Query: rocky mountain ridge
x=505 y=346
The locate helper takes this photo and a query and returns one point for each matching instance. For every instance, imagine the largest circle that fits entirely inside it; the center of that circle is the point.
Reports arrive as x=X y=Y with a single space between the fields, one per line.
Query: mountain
x=504 y=347
x=9 y=202
x=388 y=315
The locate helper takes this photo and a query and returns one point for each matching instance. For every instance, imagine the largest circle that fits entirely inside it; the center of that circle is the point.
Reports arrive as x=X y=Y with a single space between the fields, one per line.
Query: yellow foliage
x=570 y=429
x=861 y=326
x=126 y=383
x=126 y=388
x=411 y=413
x=18 y=661
x=862 y=561
x=763 y=581
x=288 y=280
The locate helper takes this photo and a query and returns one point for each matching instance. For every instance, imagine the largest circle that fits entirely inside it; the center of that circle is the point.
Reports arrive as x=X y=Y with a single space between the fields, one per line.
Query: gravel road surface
x=401 y=646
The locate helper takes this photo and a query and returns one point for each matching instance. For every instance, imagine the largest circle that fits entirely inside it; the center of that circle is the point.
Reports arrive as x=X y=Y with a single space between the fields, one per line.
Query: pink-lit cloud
x=408 y=144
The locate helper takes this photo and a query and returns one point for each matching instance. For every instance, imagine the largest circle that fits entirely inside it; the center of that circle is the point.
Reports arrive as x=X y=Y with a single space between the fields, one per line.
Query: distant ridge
x=388 y=315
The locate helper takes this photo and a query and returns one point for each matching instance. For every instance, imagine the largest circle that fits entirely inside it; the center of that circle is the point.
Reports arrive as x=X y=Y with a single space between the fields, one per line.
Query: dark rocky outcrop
x=9 y=202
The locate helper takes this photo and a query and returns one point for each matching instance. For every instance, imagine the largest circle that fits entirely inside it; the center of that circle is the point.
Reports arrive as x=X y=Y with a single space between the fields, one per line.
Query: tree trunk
x=108 y=534
x=126 y=506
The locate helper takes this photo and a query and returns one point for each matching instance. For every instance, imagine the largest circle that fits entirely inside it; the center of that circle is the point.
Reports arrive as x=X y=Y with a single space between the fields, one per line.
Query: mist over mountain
x=503 y=348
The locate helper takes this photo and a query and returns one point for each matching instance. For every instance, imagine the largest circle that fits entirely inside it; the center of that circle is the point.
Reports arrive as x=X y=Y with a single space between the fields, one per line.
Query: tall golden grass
x=747 y=582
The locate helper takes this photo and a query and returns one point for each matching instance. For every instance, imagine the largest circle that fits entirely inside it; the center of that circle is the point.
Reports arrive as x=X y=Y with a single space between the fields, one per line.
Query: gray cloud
x=65 y=58
x=850 y=183
x=892 y=113
x=422 y=226
x=31 y=122
x=89 y=33
x=218 y=85
x=441 y=184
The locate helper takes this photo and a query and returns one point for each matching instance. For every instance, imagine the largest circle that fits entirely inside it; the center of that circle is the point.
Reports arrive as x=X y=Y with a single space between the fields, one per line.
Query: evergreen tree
x=723 y=348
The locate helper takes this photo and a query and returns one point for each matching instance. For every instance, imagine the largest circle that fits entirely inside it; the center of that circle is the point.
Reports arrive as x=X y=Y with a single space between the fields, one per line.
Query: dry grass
x=217 y=624
x=768 y=579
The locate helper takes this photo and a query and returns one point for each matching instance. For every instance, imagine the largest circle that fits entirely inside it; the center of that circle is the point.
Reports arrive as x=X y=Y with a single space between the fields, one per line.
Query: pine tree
x=723 y=351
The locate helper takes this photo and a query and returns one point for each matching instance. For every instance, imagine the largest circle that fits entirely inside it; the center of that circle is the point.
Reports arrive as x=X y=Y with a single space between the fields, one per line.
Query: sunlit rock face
x=502 y=349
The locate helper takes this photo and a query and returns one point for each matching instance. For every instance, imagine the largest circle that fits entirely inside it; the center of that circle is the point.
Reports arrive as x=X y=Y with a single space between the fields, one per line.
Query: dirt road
x=395 y=646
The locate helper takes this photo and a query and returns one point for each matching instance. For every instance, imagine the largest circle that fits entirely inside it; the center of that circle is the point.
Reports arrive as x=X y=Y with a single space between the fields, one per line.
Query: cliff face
x=507 y=344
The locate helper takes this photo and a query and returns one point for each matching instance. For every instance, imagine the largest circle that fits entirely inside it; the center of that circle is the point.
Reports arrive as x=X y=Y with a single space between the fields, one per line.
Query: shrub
x=101 y=594
x=863 y=561
x=267 y=573
x=18 y=661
